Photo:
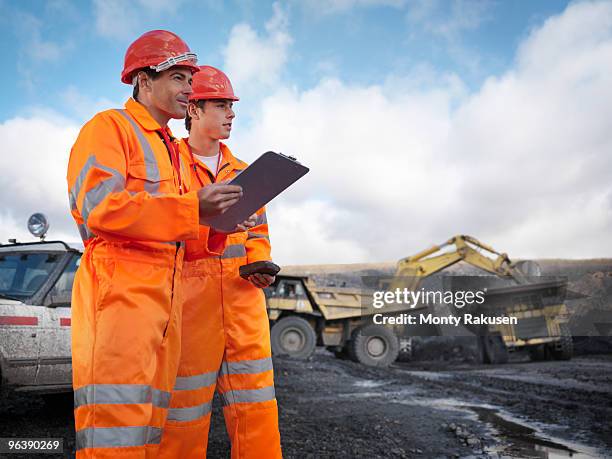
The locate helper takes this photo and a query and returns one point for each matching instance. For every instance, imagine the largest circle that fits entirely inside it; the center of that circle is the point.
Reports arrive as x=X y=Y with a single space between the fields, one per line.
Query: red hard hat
x=159 y=50
x=211 y=83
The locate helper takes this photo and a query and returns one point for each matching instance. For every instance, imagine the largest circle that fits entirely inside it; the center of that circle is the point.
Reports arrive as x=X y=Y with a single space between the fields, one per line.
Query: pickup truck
x=35 y=289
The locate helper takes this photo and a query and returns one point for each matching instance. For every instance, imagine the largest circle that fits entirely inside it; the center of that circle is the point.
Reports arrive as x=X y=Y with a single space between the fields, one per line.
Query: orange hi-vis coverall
x=126 y=187
x=225 y=343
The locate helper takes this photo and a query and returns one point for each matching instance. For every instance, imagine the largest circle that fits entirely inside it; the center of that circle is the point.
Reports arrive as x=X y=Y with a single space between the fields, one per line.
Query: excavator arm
x=468 y=249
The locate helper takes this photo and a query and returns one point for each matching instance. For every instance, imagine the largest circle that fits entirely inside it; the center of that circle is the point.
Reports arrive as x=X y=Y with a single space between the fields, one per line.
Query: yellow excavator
x=536 y=302
x=304 y=314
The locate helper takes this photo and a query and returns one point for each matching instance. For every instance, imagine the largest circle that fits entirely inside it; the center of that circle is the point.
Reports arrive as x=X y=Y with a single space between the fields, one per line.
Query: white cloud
x=84 y=107
x=313 y=222
x=255 y=62
x=119 y=20
x=325 y=7
x=34 y=175
x=448 y=20
x=34 y=49
x=34 y=46
x=522 y=164
x=178 y=128
x=161 y=6
x=116 y=19
x=443 y=23
x=64 y=9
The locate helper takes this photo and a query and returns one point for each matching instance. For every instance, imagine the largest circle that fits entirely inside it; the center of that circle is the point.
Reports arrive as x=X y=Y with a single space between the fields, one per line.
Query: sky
x=419 y=119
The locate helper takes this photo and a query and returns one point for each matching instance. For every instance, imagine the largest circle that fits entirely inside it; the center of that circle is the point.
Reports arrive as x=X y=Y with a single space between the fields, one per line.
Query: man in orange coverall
x=225 y=339
x=127 y=193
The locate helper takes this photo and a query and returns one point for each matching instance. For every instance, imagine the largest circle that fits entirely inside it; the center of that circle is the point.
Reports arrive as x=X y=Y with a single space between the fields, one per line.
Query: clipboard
x=267 y=177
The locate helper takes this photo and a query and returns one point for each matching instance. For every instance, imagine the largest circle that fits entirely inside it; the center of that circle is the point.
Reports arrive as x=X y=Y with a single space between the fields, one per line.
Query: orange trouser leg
x=246 y=378
x=203 y=341
x=125 y=348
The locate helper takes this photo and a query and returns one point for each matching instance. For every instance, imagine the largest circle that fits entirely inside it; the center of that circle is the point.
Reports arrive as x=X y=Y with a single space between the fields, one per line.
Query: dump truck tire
x=294 y=337
x=494 y=349
x=564 y=350
x=374 y=346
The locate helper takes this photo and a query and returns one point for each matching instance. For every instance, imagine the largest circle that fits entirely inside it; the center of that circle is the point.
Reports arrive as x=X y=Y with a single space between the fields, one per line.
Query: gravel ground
x=336 y=408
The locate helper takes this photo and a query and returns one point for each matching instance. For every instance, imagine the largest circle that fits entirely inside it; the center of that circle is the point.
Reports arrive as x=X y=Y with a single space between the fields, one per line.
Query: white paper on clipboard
x=262 y=181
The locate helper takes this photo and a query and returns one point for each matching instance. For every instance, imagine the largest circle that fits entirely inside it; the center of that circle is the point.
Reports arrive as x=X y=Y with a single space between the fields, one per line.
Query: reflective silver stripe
x=85 y=232
x=78 y=184
x=189 y=414
x=152 y=188
x=149 y=157
x=100 y=437
x=234 y=251
x=261 y=219
x=160 y=398
x=120 y=394
x=248 y=395
x=251 y=235
x=98 y=193
x=246 y=367
x=74 y=193
x=195 y=382
x=94 y=196
x=73 y=200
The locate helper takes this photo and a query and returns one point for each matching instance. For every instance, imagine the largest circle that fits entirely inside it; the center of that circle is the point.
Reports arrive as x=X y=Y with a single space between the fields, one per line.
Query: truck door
x=55 y=348
x=19 y=323
x=19 y=338
x=291 y=296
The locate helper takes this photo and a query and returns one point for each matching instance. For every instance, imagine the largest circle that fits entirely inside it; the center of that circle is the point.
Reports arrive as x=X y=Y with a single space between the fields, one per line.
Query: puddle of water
x=451 y=404
x=519 y=440
x=391 y=394
x=370 y=383
x=527 y=442
x=564 y=383
x=362 y=395
x=431 y=375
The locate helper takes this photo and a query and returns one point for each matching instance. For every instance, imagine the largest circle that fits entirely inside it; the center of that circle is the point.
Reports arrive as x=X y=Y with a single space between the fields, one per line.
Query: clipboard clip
x=292 y=158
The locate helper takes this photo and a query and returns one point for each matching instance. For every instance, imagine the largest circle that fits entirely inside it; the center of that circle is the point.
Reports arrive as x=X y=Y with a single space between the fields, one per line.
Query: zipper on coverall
x=177 y=243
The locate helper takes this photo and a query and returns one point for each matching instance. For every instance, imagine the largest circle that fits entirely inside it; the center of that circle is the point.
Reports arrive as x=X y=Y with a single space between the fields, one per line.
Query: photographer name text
x=430 y=319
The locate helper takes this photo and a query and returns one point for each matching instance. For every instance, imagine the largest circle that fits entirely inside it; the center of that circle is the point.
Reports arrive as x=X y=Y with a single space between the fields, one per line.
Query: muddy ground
x=337 y=408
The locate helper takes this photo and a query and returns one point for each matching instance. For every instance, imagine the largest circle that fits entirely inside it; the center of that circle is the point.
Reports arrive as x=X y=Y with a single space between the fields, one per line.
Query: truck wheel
x=494 y=349
x=293 y=336
x=564 y=349
x=374 y=346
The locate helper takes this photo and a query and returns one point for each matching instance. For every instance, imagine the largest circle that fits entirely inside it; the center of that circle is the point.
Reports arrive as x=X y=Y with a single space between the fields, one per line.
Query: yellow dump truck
x=304 y=314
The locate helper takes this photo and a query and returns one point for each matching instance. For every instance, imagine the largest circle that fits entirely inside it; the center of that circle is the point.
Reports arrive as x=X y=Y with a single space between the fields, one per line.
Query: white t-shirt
x=210 y=162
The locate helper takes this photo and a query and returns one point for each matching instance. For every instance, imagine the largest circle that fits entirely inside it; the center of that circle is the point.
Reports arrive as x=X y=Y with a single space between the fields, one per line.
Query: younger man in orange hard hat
x=127 y=187
x=225 y=339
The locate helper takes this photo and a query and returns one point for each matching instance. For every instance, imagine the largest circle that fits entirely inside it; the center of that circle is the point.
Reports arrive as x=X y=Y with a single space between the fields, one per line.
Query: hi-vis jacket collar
x=227 y=158
x=140 y=113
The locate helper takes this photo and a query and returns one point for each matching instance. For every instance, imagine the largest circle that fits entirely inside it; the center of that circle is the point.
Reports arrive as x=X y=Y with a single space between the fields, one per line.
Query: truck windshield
x=22 y=274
